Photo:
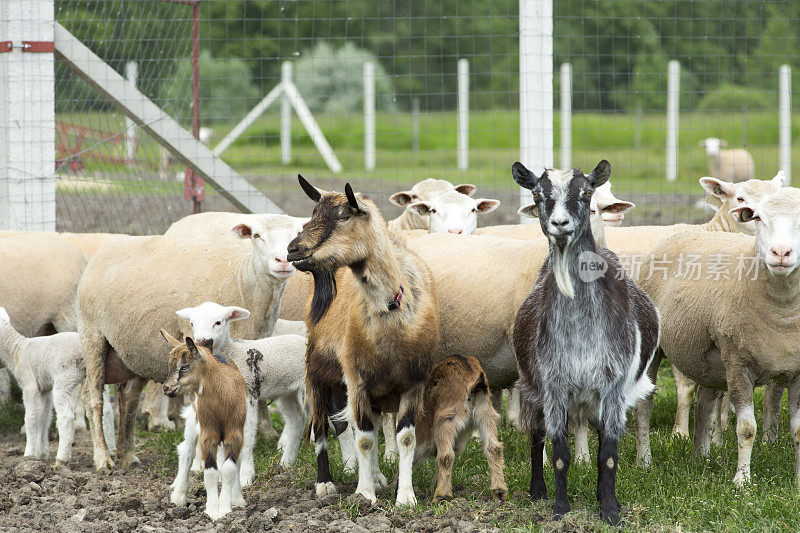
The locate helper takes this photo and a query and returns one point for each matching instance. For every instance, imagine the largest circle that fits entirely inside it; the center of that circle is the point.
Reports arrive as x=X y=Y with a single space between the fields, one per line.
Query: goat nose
x=782 y=252
x=560 y=223
x=457 y=231
x=292 y=249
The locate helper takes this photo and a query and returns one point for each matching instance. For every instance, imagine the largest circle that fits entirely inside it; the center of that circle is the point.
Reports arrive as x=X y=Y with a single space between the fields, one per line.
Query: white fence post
x=27 y=118
x=463 y=114
x=673 y=107
x=415 y=125
x=286 y=115
x=785 y=128
x=369 y=115
x=131 y=74
x=535 y=87
x=566 y=115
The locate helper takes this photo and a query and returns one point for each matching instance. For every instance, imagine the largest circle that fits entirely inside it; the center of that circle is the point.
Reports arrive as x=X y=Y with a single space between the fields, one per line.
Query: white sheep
x=49 y=371
x=424 y=191
x=733 y=324
x=142 y=280
x=273 y=368
x=735 y=164
x=453 y=212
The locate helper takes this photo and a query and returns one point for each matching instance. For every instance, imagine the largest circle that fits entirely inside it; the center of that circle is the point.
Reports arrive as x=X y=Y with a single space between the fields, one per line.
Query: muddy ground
x=36 y=497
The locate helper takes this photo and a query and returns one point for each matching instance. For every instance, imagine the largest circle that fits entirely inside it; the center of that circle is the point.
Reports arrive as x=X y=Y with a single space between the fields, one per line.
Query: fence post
x=369 y=115
x=415 y=125
x=673 y=106
x=785 y=128
x=27 y=116
x=535 y=87
x=286 y=115
x=131 y=74
x=463 y=114
x=566 y=115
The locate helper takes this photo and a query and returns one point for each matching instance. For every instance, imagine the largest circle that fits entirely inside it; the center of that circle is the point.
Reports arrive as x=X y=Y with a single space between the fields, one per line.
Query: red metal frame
x=38 y=47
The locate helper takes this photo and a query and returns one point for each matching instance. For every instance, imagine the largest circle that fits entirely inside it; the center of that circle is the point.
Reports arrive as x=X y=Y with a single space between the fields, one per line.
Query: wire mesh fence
x=111 y=176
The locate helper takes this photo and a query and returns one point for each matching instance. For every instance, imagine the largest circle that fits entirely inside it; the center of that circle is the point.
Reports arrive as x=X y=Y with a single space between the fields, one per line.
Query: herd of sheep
x=349 y=323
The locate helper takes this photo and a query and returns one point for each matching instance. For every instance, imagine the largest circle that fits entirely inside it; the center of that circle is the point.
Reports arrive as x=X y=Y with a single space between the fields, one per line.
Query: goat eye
x=217 y=323
x=344 y=217
x=589 y=194
x=740 y=199
x=536 y=196
x=592 y=212
x=474 y=209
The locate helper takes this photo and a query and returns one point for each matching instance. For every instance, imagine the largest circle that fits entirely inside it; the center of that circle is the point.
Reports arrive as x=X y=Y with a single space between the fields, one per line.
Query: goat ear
x=401 y=198
x=242 y=231
x=529 y=210
x=309 y=189
x=619 y=207
x=716 y=187
x=466 y=188
x=600 y=174
x=170 y=339
x=237 y=313
x=743 y=213
x=420 y=208
x=524 y=177
x=351 y=198
x=193 y=349
x=779 y=179
x=487 y=205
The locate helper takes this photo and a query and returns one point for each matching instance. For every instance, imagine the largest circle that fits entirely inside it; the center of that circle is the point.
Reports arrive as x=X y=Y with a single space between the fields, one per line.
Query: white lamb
x=49 y=371
x=273 y=368
x=453 y=212
x=735 y=164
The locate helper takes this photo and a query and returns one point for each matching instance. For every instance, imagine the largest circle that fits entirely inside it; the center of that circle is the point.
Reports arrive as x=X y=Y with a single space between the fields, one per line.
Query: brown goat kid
x=220 y=396
x=375 y=322
x=457 y=402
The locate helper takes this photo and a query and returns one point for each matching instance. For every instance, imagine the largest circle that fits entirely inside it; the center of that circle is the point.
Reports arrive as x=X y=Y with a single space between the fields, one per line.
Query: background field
x=680 y=492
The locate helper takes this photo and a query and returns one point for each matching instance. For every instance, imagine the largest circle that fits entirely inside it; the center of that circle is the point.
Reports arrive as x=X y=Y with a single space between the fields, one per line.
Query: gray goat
x=584 y=336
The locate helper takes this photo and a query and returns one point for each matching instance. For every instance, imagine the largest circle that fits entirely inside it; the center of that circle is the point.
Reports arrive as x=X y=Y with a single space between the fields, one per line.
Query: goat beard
x=561 y=270
x=324 y=293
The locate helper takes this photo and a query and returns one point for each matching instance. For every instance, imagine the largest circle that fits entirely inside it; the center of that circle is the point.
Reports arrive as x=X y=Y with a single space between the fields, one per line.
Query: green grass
x=679 y=492
x=638 y=165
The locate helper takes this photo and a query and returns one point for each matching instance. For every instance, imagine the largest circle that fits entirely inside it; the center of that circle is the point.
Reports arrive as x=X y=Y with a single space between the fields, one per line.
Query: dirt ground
x=35 y=497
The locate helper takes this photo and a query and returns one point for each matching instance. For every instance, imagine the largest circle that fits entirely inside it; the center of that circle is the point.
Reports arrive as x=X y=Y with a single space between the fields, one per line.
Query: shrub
x=728 y=97
x=331 y=80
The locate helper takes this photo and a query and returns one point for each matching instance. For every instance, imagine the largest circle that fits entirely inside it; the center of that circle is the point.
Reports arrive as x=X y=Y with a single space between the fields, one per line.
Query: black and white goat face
x=563 y=199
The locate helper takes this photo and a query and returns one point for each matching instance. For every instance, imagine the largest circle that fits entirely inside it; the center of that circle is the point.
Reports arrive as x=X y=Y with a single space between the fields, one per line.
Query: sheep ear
x=351 y=198
x=619 y=207
x=529 y=210
x=184 y=313
x=4 y=318
x=309 y=189
x=487 y=205
x=743 y=213
x=420 y=208
x=466 y=188
x=237 y=313
x=524 y=177
x=170 y=339
x=716 y=187
x=600 y=174
x=713 y=202
x=401 y=198
x=780 y=179
x=243 y=231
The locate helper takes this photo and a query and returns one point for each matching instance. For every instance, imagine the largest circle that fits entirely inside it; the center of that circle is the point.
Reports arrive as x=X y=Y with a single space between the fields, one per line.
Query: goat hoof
x=741 y=478
x=363 y=497
x=611 y=517
x=104 y=466
x=130 y=461
x=559 y=510
x=406 y=497
x=178 y=498
x=325 y=489
x=500 y=494
x=246 y=475
x=60 y=462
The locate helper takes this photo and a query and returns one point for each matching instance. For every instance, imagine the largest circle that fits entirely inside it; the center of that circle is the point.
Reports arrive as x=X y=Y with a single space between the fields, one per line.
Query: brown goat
x=457 y=402
x=376 y=322
x=220 y=395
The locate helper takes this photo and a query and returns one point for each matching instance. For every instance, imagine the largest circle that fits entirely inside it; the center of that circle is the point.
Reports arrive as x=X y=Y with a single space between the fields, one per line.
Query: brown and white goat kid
x=457 y=402
x=376 y=322
x=220 y=395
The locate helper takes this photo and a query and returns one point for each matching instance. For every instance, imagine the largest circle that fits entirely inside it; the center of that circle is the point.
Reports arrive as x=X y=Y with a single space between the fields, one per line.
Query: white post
x=415 y=125
x=131 y=74
x=463 y=114
x=566 y=115
x=785 y=127
x=673 y=106
x=286 y=115
x=369 y=115
x=535 y=88
x=27 y=118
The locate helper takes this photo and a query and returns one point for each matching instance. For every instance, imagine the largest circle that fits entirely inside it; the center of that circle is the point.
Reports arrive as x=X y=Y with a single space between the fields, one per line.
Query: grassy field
x=634 y=147
x=680 y=492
